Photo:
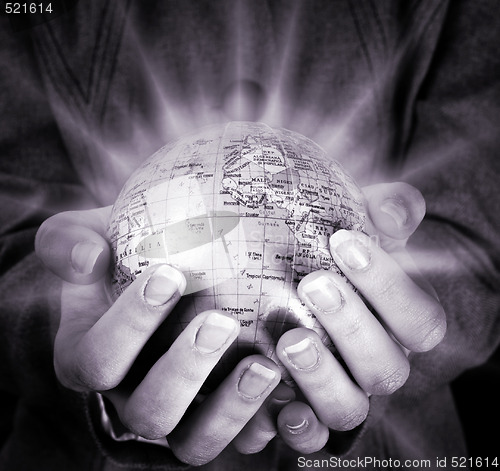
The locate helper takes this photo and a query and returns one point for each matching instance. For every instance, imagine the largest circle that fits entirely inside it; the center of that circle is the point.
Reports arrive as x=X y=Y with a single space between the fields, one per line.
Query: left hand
x=373 y=346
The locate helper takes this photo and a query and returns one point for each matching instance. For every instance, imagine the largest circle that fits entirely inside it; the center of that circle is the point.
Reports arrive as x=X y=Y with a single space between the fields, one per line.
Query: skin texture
x=97 y=343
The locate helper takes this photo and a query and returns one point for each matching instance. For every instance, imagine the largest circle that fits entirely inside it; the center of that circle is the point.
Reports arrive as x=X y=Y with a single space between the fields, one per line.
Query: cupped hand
x=98 y=344
x=392 y=312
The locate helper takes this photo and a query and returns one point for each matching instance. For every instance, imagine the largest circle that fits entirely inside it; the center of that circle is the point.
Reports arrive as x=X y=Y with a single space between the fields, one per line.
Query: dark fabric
x=395 y=90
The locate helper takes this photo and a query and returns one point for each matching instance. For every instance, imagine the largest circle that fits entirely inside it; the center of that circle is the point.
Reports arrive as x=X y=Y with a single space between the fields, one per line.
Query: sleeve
x=36 y=181
x=450 y=154
x=452 y=158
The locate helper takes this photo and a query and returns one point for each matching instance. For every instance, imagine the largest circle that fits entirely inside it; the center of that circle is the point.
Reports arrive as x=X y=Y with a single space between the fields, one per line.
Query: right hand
x=98 y=344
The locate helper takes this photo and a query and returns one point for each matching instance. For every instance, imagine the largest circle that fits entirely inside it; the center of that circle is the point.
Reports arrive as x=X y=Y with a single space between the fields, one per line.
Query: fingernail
x=323 y=294
x=283 y=394
x=350 y=250
x=397 y=210
x=277 y=402
x=298 y=428
x=84 y=256
x=163 y=284
x=255 y=380
x=214 y=333
x=303 y=355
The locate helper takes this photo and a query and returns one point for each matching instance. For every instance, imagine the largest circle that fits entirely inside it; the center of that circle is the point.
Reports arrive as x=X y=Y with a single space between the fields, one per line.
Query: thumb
x=395 y=210
x=73 y=245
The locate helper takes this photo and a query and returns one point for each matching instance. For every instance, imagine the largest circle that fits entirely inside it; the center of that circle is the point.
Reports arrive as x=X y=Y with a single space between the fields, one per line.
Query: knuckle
x=94 y=376
x=64 y=376
x=78 y=373
x=194 y=457
x=147 y=422
x=431 y=330
x=351 y=417
x=389 y=380
x=256 y=445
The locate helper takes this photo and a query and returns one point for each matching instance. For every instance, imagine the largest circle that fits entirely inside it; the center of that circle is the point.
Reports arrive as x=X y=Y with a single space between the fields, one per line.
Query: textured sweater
x=393 y=90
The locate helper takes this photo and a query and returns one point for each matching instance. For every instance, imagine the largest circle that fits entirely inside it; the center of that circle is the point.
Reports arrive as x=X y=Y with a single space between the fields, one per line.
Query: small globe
x=245 y=211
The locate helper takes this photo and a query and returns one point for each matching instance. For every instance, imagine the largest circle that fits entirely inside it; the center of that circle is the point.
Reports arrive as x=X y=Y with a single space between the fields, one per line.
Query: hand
x=374 y=347
x=99 y=345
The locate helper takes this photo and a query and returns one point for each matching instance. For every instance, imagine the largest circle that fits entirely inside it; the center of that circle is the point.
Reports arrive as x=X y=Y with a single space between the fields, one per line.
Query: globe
x=245 y=211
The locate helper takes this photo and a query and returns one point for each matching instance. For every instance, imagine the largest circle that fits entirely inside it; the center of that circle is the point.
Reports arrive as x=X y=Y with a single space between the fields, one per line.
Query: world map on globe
x=245 y=211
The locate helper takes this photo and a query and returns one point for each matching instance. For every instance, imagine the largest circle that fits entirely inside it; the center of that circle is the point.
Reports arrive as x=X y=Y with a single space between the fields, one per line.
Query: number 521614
x=17 y=8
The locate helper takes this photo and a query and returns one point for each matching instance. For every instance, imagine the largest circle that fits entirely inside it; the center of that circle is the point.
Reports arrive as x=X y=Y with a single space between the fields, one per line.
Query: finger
x=416 y=318
x=337 y=401
x=204 y=434
x=375 y=360
x=95 y=354
x=261 y=428
x=394 y=209
x=300 y=429
x=162 y=398
x=73 y=245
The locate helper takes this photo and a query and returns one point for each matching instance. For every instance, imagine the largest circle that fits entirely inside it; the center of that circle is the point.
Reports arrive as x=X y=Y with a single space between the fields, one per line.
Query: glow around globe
x=245 y=211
